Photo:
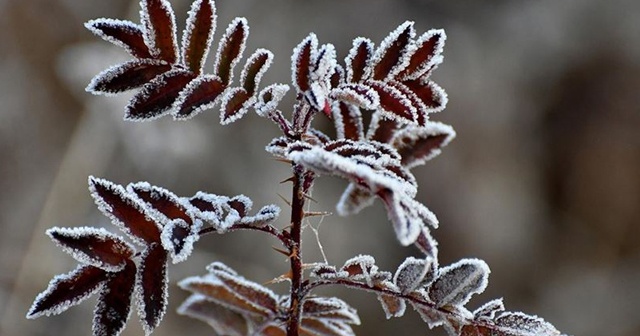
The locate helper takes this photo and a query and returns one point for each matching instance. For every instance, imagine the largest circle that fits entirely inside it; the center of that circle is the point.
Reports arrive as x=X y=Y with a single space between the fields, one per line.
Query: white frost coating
x=216 y=201
x=387 y=43
x=139 y=294
x=400 y=97
x=257 y=296
x=356 y=94
x=353 y=53
x=120 y=247
x=457 y=282
x=187 y=91
x=161 y=193
x=324 y=271
x=410 y=135
x=227 y=96
x=526 y=325
x=411 y=273
x=487 y=311
x=185 y=246
x=427 y=244
x=263 y=69
x=312 y=40
x=222 y=320
x=407 y=216
x=433 y=318
x=327 y=328
x=62 y=306
x=149 y=30
x=317 y=95
x=277 y=92
x=434 y=59
x=330 y=308
x=265 y=216
x=132 y=28
x=439 y=95
x=218 y=266
x=353 y=200
x=243 y=25
x=191 y=26
x=325 y=63
x=365 y=264
x=115 y=71
x=106 y=209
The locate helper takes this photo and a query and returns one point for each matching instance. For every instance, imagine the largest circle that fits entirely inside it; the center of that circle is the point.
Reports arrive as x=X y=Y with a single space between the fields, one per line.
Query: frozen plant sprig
x=390 y=82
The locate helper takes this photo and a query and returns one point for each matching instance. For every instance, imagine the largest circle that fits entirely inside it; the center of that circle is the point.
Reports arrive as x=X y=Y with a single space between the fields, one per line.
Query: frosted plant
x=391 y=83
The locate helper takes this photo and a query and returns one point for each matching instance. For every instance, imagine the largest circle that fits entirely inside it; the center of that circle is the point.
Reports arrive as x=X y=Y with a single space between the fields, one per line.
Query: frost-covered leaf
x=200 y=94
x=324 y=271
x=159 y=25
x=457 y=282
x=524 y=325
x=161 y=200
x=428 y=52
x=488 y=310
x=348 y=122
x=268 y=100
x=412 y=273
x=432 y=95
x=178 y=238
x=416 y=145
x=394 y=104
x=325 y=64
x=301 y=60
x=222 y=320
x=322 y=327
x=125 y=34
x=156 y=98
x=230 y=49
x=152 y=283
x=114 y=304
x=233 y=292
x=96 y=247
x=257 y=64
x=354 y=199
x=241 y=203
x=357 y=94
x=427 y=244
x=382 y=129
x=125 y=210
x=392 y=305
x=266 y=215
x=235 y=104
x=67 y=290
x=358 y=59
x=359 y=266
x=329 y=309
x=432 y=317
x=391 y=57
x=198 y=34
x=127 y=76
x=407 y=216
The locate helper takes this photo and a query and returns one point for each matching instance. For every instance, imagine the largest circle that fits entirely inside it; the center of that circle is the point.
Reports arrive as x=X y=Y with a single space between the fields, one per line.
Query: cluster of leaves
x=391 y=83
x=163 y=224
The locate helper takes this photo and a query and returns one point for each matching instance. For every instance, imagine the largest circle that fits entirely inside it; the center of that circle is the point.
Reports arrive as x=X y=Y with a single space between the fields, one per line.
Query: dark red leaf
x=152 y=285
x=233 y=105
x=255 y=67
x=157 y=97
x=114 y=304
x=429 y=46
x=302 y=57
x=159 y=22
x=124 y=210
x=200 y=94
x=197 y=36
x=422 y=110
x=162 y=200
x=67 y=290
x=381 y=129
x=230 y=50
x=96 y=247
x=418 y=145
x=391 y=54
x=358 y=59
x=125 y=34
x=127 y=76
x=432 y=95
x=174 y=239
x=395 y=105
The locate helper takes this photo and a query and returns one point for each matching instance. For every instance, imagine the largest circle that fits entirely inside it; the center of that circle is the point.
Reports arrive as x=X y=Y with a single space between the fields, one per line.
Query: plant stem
x=295 y=252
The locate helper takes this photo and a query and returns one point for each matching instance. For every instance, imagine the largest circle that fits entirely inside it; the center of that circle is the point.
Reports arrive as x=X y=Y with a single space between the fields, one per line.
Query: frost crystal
x=457 y=282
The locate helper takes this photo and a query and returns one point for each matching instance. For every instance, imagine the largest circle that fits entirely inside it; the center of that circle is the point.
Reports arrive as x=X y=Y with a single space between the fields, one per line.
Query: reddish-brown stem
x=295 y=252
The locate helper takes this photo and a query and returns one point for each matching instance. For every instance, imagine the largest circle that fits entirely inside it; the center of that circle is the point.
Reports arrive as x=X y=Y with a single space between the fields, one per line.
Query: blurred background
x=542 y=182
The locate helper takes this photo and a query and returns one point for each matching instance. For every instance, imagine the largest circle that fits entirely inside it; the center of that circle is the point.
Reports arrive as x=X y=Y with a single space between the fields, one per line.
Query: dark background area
x=542 y=182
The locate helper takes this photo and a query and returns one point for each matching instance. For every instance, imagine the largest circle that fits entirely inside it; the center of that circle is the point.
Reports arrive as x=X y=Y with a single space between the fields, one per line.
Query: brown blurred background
x=542 y=182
